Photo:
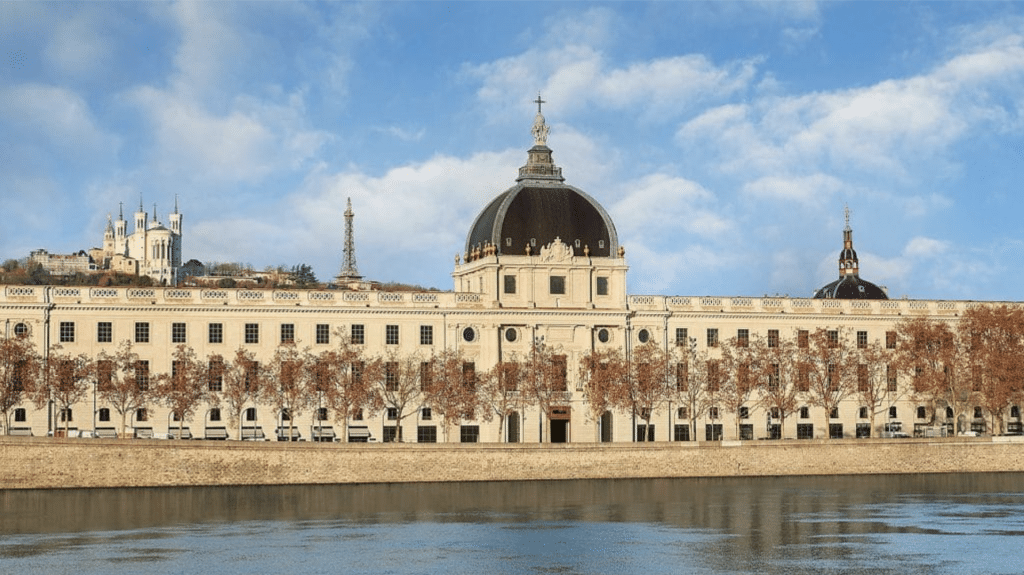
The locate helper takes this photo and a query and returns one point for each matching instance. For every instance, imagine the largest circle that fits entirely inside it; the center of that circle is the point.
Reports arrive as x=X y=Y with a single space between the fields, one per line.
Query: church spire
x=848 y=263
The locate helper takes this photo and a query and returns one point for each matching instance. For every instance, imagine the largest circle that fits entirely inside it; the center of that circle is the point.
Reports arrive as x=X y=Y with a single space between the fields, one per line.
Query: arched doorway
x=512 y=427
x=606 y=427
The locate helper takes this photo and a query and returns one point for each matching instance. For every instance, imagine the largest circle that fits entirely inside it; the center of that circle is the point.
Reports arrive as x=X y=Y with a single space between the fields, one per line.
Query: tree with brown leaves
x=398 y=388
x=346 y=380
x=875 y=385
x=929 y=352
x=691 y=389
x=65 y=380
x=128 y=387
x=741 y=369
x=287 y=387
x=830 y=362
x=499 y=392
x=20 y=365
x=242 y=384
x=603 y=373
x=450 y=387
x=646 y=388
x=546 y=382
x=774 y=369
x=994 y=341
x=186 y=387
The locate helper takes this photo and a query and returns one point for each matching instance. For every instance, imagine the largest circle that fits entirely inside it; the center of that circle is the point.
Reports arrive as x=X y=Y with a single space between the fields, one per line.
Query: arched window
x=250 y=414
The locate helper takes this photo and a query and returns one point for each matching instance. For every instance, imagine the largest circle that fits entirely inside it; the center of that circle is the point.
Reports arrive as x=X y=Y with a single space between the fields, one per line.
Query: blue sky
x=724 y=138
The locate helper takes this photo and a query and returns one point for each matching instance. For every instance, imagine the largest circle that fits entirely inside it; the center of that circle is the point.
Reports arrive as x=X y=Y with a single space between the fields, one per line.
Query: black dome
x=542 y=211
x=850 y=287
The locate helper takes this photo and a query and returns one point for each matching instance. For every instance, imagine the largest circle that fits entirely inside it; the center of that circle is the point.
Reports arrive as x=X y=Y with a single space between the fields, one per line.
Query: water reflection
x=879 y=524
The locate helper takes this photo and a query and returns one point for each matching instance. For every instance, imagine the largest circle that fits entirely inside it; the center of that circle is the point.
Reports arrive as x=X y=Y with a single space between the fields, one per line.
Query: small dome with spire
x=850 y=285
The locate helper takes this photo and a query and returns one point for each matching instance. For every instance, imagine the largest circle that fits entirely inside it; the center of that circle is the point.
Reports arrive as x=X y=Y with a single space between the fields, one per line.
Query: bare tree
x=740 y=365
x=499 y=391
x=691 y=390
x=876 y=384
x=128 y=387
x=930 y=353
x=449 y=385
x=829 y=361
x=775 y=375
x=603 y=373
x=185 y=387
x=288 y=384
x=546 y=381
x=994 y=340
x=647 y=386
x=398 y=388
x=346 y=380
x=242 y=384
x=65 y=380
x=20 y=365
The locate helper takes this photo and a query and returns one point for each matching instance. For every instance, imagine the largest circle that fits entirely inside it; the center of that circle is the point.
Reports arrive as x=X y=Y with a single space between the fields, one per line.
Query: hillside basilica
x=542 y=264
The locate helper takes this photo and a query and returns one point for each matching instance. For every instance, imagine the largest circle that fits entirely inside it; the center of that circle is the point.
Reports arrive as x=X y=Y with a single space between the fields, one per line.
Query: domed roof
x=540 y=208
x=850 y=287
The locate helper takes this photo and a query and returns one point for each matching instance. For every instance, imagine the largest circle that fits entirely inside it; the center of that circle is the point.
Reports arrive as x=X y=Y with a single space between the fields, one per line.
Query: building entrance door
x=559 y=423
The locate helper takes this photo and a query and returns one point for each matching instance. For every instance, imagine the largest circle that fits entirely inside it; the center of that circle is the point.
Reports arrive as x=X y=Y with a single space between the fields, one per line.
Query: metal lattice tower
x=349 y=271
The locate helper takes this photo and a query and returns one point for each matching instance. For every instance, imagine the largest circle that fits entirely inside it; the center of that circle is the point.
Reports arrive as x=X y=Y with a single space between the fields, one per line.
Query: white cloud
x=812 y=189
x=925 y=248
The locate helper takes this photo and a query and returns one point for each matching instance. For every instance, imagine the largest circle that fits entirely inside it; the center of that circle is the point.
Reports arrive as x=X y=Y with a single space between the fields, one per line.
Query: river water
x=933 y=524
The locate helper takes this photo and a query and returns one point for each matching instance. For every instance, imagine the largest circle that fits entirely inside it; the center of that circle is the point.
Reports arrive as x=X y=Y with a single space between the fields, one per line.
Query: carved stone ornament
x=556 y=251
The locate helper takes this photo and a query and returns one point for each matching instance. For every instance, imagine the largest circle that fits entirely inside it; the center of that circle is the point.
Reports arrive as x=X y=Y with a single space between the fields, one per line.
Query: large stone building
x=542 y=263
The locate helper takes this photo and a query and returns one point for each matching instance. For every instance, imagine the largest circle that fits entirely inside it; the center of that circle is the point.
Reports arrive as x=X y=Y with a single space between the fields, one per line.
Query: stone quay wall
x=53 y=463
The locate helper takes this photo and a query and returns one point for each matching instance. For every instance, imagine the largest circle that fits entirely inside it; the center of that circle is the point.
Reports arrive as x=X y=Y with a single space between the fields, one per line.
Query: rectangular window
x=862 y=378
x=833 y=338
x=287 y=333
x=358 y=334
x=390 y=433
x=890 y=378
x=426 y=378
x=426 y=335
x=803 y=380
x=712 y=375
x=682 y=376
x=391 y=335
x=805 y=431
x=773 y=338
x=323 y=333
x=743 y=337
x=773 y=377
x=216 y=333
x=216 y=375
x=104 y=414
x=252 y=333
x=142 y=375
x=682 y=336
x=681 y=432
x=510 y=284
x=104 y=332
x=104 y=373
x=426 y=414
x=890 y=340
x=561 y=373
x=391 y=413
x=391 y=376
x=556 y=285
x=426 y=434
x=469 y=375
x=802 y=339
x=178 y=332
x=215 y=414
x=862 y=340
x=142 y=332
x=602 y=286
x=67 y=332
x=469 y=433
x=712 y=337
x=713 y=432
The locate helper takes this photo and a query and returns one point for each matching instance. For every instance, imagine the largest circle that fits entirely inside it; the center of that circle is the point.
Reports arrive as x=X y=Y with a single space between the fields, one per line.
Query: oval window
x=20 y=329
x=511 y=335
x=468 y=334
x=603 y=336
x=644 y=336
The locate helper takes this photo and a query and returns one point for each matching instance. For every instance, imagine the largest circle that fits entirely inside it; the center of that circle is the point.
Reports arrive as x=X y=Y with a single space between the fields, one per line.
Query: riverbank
x=53 y=463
